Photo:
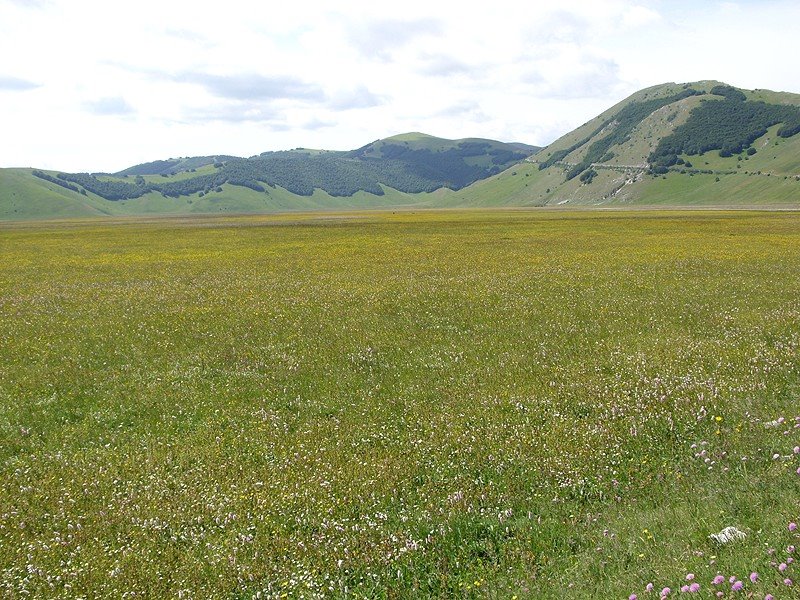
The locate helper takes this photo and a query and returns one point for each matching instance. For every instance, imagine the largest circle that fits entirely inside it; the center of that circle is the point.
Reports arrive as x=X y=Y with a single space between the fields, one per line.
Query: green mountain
x=395 y=171
x=703 y=143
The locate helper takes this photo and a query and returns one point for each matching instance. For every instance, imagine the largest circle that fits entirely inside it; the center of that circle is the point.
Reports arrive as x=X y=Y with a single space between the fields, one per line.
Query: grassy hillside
x=754 y=161
x=398 y=171
x=428 y=404
x=23 y=196
x=412 y=163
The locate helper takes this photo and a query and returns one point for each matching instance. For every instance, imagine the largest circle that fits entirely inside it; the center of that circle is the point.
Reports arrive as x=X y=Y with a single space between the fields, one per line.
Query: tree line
x=410 y=170
x=730 y=126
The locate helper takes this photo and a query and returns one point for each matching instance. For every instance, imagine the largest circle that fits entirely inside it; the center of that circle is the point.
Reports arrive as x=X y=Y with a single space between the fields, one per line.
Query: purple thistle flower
x=718 y=579
x=737 y=586
x=648 y=587
x=792 y=526
x=684 y=589
x=633 y=597
x=787 y=581
x=753 y=576
x=694 y=588
x=782 y=567
x=665 y=592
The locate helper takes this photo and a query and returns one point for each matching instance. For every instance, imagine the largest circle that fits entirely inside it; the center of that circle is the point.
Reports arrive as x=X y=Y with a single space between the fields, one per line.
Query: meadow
x=450 y=404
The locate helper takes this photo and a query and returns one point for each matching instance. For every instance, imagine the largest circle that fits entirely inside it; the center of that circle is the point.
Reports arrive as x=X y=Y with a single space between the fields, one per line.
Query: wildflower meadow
x=443 y=404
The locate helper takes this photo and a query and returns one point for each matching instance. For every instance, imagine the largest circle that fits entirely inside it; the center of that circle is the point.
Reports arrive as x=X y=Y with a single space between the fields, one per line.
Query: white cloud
x=116 y=106
x=16 y=84
x=639 y=16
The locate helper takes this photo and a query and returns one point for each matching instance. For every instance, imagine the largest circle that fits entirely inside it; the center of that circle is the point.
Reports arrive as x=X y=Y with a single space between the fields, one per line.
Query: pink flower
x=689 y=576
x=754 y=577
x=792 y=526
x=782 y=567
x=684 y=589
x=694 y=588
x=665 y=592
x=737 y=585
x=787 y=581
x=720 y=594
x=649 y=587
x=633 y=597
x=790 y=549
x=796 y=450
x=718 y=579
x=769 y=597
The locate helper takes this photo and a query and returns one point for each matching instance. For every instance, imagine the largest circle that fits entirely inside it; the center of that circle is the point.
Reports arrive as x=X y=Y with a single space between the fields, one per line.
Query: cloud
x=639 y=16
x=189 y=35
x=15 y=84
x=254 y=87
x=107 y=107
x=560 y=26
x=315 y=124
x=571 y=75
x=596 y=77
x=377 y=39
x=236 y=112
x=30 y=3
x=447 y=66
x=465 y=110
x=359 y=97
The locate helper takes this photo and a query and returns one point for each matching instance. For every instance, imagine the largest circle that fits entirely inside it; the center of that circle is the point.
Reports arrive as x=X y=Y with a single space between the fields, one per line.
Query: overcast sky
x=99 y=85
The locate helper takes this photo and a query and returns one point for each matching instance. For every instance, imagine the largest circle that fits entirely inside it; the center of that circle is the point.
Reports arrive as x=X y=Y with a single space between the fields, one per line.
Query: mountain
x=387 y=172
x=693 y=144
x=701 y=143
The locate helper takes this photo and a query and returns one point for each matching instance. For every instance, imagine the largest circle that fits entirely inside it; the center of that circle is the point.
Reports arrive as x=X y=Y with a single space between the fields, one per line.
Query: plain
x=530 y=404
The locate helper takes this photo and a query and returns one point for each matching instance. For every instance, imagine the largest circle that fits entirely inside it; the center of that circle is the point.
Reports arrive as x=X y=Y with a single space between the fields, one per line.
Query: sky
x=93 y=85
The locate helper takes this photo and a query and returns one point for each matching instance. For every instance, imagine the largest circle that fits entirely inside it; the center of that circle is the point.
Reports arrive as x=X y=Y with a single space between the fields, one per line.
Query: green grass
x=23 y=197
x=419 y=404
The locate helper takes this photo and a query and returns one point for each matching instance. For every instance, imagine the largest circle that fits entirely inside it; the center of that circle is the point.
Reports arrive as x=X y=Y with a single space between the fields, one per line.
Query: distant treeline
x=398 y=166
x=730 y=126
x=174 y=165
x=59 y=180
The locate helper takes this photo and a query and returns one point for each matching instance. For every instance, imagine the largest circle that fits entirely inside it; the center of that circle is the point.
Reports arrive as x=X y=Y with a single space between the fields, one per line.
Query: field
x=469 y=404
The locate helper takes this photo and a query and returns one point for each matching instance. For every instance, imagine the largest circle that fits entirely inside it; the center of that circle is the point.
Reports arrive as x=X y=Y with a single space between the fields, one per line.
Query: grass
x=421 y=404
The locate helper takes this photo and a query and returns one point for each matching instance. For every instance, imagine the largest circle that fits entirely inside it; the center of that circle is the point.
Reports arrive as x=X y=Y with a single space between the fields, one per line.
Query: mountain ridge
x=412 y=164
x=394 y=171
x=703 y=143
